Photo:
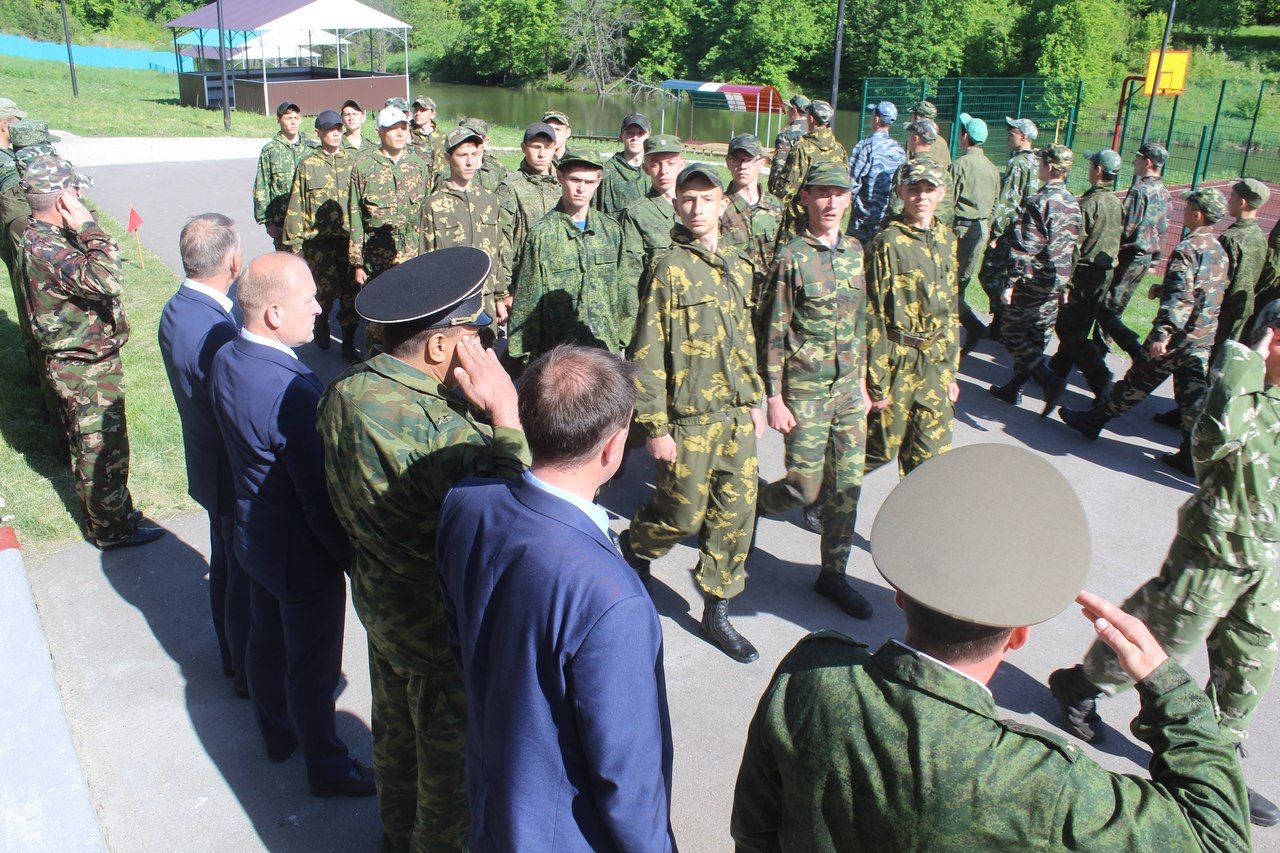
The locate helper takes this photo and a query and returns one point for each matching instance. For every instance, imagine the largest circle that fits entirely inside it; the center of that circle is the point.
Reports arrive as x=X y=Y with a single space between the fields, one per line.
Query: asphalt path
x=174 y=761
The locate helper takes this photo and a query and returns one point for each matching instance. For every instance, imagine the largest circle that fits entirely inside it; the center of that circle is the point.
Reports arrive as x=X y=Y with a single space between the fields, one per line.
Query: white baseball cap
x=390 y=117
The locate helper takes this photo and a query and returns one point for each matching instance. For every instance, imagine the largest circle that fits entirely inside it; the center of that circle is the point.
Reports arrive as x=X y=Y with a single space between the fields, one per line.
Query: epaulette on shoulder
x=1058 y=743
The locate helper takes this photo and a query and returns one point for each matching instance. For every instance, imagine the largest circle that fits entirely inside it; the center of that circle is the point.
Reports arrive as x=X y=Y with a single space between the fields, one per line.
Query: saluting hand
x=485 y=384
x=1128 y=636
x=74 y=213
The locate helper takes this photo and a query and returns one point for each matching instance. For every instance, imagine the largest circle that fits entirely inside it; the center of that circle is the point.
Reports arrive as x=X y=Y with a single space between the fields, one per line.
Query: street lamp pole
x=835 y=63
x=71 y=61
x=1155 y=86
x=222 y=63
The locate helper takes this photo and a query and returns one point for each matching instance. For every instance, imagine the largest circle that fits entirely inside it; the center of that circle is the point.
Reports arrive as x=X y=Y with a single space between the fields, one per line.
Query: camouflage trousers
x=419 y=748
x=1075 y=324
x=971 y=236
x=90 y=398
x=825 y=454
x=994 y=272
x=917 y=423
x=1225 y=593
x=709 y=490
x=335 y=279
x=1190 y=369
x=1027 y=326
x=1128 y=275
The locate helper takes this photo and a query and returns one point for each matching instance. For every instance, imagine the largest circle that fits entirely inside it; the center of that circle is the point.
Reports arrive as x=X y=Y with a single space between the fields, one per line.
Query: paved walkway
x=174 y=762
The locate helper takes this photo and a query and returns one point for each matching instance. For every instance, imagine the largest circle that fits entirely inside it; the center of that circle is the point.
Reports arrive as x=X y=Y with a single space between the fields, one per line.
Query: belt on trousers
x=912 y=340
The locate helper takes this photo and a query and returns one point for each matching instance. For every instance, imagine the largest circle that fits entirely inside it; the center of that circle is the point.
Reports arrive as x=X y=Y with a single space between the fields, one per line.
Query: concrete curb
x=44 y=801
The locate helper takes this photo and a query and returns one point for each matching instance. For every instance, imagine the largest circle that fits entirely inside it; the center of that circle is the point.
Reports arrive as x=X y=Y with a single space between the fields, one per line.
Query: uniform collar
x=405 y=374
x=843 y=242
x=681 y=236
x=930 y=675
x=567 y=222
x=280 y=137
x=529 y=173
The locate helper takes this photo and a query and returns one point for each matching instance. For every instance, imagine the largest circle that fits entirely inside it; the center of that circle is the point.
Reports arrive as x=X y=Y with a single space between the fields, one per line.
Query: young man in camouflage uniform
x=923 y=142
x=928 y=111
x=1268 y=287
x=73 y=283
x=353 y=141
x=913 y=333
x=815 y=377
x=750 y=222
x=700 y=393
x=977 y=183
x=1146 y=219
x=1020 y=180
x=818 y=145
x=491 y=171
x=396 y=439
x=570 y=288
x=526 y=195
x=1099 y=247
x=560 y=124
x=315 y=226
x=1218 y=584
x=623 y=182
x=872 y=164
x=276 y=164
x=1182 y=333
x=1246 y=249
x=798 y=126
x=1043 y=245
x=647 y=223
x=425 y=136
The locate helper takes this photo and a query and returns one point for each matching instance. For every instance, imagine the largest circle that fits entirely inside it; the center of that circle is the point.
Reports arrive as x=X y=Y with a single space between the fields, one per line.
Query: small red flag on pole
x=135 y=222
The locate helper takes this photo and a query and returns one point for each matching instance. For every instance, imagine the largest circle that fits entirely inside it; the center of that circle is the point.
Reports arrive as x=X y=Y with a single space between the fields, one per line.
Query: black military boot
x=1078 y=699
x=1171 y=418
x=837 y=588
x=1011 y=391
x=1181 y=461
x=640 y=564
x=1088 y=423
x=322 y=337
x=974 y=331
x=1262 y=812
x=1052 y=384
x=717 y=628
x=349 y=351
x=994 y=327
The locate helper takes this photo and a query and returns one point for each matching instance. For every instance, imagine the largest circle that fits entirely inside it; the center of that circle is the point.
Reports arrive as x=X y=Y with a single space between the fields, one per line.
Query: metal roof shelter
x=735 y=97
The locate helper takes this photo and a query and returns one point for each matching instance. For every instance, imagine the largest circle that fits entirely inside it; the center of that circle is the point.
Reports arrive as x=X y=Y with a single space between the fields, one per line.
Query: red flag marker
x=135 y=221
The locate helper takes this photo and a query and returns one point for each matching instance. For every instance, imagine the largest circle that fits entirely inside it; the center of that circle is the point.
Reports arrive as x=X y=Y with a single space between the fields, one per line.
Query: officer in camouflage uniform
x=929 y=111
x=1218 y=583
x=750 y=222
x=353 y=141
x=1021 y=179
x=1099 y=247
x=647 y=223
x=798 y=126
x=396 y=438
x=1268 y=287
x=491 y=171
x=818 y=145
x=1146 y=219
x=315 y=226
x=1246 y=249
x=1182 y=333
x=872 y=164
x=526 y=195
x=73 y=283
x=699 y=396
x=425 y=136
x=1043 y=246
x=276 y=164
x=570 y=289
x=976 y=183
x=923 y=142
x=815 y=373
x=463 y=213
x=913 y=334
x=624 y=177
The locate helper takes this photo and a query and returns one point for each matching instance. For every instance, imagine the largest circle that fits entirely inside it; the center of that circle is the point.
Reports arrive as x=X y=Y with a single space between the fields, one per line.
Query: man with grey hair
x=195 y=324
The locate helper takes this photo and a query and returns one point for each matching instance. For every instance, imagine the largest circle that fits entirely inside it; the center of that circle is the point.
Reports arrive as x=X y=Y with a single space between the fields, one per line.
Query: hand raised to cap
x=485 y=384
x=1128 y=636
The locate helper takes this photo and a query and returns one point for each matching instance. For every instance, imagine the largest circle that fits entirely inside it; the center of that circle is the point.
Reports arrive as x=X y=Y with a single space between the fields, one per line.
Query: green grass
x=34 y=481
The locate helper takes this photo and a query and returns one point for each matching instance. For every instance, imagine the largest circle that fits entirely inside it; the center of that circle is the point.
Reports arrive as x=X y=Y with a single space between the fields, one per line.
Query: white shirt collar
x=220 y=298
x=946 y=665
x=267 y=342
x=594 y=511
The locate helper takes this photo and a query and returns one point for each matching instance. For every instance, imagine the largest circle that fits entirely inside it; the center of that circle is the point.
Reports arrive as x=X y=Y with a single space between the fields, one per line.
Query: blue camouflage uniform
x=872 y=165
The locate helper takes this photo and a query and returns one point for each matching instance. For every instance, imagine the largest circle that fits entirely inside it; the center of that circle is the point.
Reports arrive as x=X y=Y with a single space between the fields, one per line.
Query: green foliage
x=513 y=39
x=1217 y=15
x=1084 y=40
x=758 y=41
x=39 y=19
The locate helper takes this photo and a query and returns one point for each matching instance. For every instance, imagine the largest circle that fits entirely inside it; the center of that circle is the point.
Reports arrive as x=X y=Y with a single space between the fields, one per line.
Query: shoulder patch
x=1058 y=743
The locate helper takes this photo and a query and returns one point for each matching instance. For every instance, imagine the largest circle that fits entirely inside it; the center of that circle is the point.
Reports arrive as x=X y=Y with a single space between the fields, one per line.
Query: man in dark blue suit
x=195 y=324
x=287 y=538
x=568 y=735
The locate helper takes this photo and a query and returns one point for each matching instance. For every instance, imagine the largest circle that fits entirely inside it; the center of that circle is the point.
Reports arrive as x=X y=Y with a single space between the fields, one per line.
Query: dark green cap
x=1255 y=192
x=827 y=174
x=580 y=157
x=925 y=129
x=699 y=170
x=479 y=125
x=924 y=169
x=1106 y=160
x=925 y=109
x=1155 y=152
x=821 y=111
x=747 y=144
x=462 y=134
x=1059 y=157
x=555 y=115
x=663 y=144
x=800 y=102
x=1211 y=202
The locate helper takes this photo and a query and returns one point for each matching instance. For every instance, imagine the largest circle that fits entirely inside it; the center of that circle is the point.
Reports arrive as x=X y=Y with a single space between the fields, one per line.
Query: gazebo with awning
x=735 y=97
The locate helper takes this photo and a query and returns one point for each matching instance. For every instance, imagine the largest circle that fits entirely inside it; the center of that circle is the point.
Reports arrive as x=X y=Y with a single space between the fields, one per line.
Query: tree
x=595 y=38
x=660 y=38
x=514 y=38
x=762 y=41
x=1085 y=40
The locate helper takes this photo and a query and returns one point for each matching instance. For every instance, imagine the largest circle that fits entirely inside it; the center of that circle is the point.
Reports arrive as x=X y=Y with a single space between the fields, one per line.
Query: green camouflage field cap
x=8 y=109
x=1155 y=152
x=1106 y=160
x=51 y=175
x=29 y=132
x=976 y=565
x=800 y=102
x=924 y=169
x=696 y=170
x=422 y=102
x=821 y=111
x=399 y=103
x=1254 y=191
x=925 y=109
x=580 y=157
x=827 y=175
x=1059 y=157
x=1210 y=202
x=975 y=127
x=462 y=134
x=663 y=144
x=747 y=144
x=555 y=115
x=479 y=125
x=925 y=129
x=1025 y=126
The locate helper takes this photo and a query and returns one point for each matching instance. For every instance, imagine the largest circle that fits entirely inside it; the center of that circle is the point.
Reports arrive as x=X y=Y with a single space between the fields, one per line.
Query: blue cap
x=886 y=110
x=328 y=120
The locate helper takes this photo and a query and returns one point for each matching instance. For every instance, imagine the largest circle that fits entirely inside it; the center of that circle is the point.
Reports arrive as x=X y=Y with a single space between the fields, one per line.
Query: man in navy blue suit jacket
x=568 y=735
x=287 y=537
x=195 y=324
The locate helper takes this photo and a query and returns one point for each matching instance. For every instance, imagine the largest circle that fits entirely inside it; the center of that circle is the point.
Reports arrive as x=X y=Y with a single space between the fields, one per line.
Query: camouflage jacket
x=782 y=145
x=1044 y=241
x=646 y=234
x=318 y=201
x=276 y=165
x=430 y=147
x=873 y=163
x=1146 y=217
x=490 y=175
x=753 y=229
x=73 y=288
x=1236 y=447
x=1246 y=249
x=946 y=209
x=816 y=146
x=384 y=209
x=569 y=289
x=825 y=766
x=911 y=289
x=1021 y=179
x=1269 y=279
x=815 y=319
x=395 y=442
x=452 y=217
x=976 y=182
x=1100 y=227
x=524 y=198
x=621 y=186
x=9 y=176
x=695 y=342
x=1192 y=292
x=364 y=147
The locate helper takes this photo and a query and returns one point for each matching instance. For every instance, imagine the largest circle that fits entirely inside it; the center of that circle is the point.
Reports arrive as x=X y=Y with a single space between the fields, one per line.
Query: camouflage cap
x=1025 y=126
x=800 y=102
x=399 y=103
x=821 y=111
x=8 y=110
x=827 y=174
x=975 y=127
x=663 y=144
x=639 y=120
x=479 y=125
x=580 y=157
x=1210 y=202
x=886 y=110
x=1059 y=157
x=1106 y=160
x=29 y=132
x=1155 y=152
x=555 y=115
x=924 y=169
x=699 y=170
x=423 y=102
x=51 y=175
x=924 y=109
x=462 y=134
x=1254 y=191
x=747 y=144
x=925 y=129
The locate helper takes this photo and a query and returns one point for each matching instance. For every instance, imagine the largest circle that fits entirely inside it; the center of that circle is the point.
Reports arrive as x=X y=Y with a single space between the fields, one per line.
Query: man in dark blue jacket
x=568 y=735
x=195 y=324
x=287 y=537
